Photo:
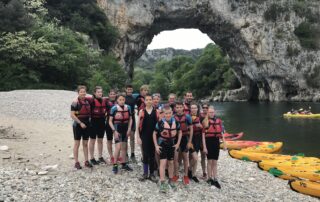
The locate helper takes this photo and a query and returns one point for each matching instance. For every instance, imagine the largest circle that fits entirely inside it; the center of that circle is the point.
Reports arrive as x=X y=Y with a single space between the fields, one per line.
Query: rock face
x=150 y=57
x=260 y=49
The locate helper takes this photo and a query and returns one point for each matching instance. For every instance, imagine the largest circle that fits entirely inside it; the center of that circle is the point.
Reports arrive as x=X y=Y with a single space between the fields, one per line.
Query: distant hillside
x=150 y=57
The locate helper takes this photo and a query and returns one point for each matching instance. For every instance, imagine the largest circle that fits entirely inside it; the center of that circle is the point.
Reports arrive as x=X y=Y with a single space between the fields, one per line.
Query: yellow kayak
x=266 y=165
x=301 y=115
x=256 y=157
x=241 y=144
x=266 y=148
x=289 y=174
x=306 y=187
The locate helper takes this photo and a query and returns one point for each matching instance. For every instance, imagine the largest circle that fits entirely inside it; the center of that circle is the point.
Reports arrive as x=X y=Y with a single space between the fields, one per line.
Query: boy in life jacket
x=196 y=142
x=111 y=102
x=148 y=118
x=99 y=106
x=166 y=132
x=144 y=89
x=120 y=122
x=131 y=101
x=187 y=101
x=80 y=113
x=186 y=142
x=203 y=115
x=211 y=134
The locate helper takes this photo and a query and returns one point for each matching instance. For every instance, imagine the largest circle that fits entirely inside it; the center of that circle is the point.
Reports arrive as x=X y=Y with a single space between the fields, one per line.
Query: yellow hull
x=308 y=166
x=301 y=115
x=306 y=187
x=268 y=148
x=256 y=157
x=289 y=174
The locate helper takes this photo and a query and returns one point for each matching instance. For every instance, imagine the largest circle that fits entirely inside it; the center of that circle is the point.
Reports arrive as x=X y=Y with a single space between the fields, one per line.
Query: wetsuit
x=149 y=122
x=121 y=121
x=98 y=120
x=167 y=142
x=82 y=110
x=185 y=121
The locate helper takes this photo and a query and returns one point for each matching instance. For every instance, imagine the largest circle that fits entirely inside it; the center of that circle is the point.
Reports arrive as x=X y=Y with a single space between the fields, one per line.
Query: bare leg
x=170 y=169
x=117 y=152
x=100 y=147
x=76 y=150
x=109 y=147
x=194 y=163
x=163 y=163
x=176 y=164
x=124 y=152
x=214 y=168
x=132 y=143
x=85 y=149
x=185 y=156
x=203 y=162
x=209 y=163
x=91 y=147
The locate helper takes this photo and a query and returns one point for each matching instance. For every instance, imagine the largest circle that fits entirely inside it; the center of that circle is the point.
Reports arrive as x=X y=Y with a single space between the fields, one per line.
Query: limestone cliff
x=258 y=35
x=151 y=57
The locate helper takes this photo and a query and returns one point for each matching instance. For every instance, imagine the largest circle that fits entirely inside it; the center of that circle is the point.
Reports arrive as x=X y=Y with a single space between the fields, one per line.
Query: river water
x=263 y=121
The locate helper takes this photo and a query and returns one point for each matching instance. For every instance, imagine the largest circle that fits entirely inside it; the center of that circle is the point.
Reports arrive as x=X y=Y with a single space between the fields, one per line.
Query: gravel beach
x=36 y=126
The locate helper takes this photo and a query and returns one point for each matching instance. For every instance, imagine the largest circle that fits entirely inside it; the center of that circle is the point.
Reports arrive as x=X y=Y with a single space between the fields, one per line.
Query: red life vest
x=142 y=104
x=142 y=118
x=183 y=124
x=168 y=132
x=85 y=110
x=195 y=121
x=186 y=108
x=99 y=109
x=214 y=129
x=122 y=115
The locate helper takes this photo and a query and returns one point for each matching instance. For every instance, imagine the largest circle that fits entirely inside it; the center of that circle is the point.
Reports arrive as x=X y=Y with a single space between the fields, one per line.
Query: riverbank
x=36 y=127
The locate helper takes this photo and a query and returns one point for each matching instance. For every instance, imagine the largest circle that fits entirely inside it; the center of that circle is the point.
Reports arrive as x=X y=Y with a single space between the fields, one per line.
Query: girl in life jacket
x=196 y=142
x=80 y=113
x=212 y=133
x=120 y=122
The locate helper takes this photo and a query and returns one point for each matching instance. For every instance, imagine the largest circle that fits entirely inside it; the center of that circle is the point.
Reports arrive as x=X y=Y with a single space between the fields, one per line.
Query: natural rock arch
x=258 y=54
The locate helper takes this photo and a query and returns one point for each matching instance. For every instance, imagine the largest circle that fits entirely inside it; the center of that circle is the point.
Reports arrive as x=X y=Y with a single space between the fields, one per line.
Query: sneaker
x=101 y=160
x=133 y=159
x=189 y=173
x=195 y=179
x=175 y=178
x=87 y=164
x=216 y=184
x=115 y=169
x=163 y=187
x=94 y=162
x=77 y=166
x=172 y=185
x=186 y=180
x=153 y=178
x=143 y=178
x=209 y=181
x=127 y=167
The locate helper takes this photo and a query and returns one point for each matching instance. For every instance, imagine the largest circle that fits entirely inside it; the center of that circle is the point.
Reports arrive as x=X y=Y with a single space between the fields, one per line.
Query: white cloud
x=180 y=39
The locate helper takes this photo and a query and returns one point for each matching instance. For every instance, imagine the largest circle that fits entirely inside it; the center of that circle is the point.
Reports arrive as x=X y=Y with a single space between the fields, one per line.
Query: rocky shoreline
x=41 y=119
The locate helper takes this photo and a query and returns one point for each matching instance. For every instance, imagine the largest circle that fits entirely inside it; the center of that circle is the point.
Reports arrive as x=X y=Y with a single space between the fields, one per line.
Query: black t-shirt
x=149 y=122
x=131 y=102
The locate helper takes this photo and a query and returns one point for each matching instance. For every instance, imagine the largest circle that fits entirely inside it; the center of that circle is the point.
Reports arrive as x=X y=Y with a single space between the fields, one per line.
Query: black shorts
x=109 y=131
x=98 y=127
x=184 y=143
x=213 y=147
x=167 y=149
x=122 y=129
x=80 y=133
x=196 y=142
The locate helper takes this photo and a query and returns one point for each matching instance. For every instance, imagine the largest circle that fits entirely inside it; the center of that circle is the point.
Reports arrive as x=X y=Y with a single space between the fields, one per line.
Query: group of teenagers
x=170 y=134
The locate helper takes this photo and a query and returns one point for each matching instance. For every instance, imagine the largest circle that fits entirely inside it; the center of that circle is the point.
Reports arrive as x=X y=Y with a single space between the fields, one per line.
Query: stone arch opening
x=256 y=50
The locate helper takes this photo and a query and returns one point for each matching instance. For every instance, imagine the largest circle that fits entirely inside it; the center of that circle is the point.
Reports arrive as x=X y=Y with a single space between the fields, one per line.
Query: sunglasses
x=204 y=107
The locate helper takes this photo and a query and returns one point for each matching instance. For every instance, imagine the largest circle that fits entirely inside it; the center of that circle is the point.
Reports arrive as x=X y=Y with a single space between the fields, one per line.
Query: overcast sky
x=180 y=39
